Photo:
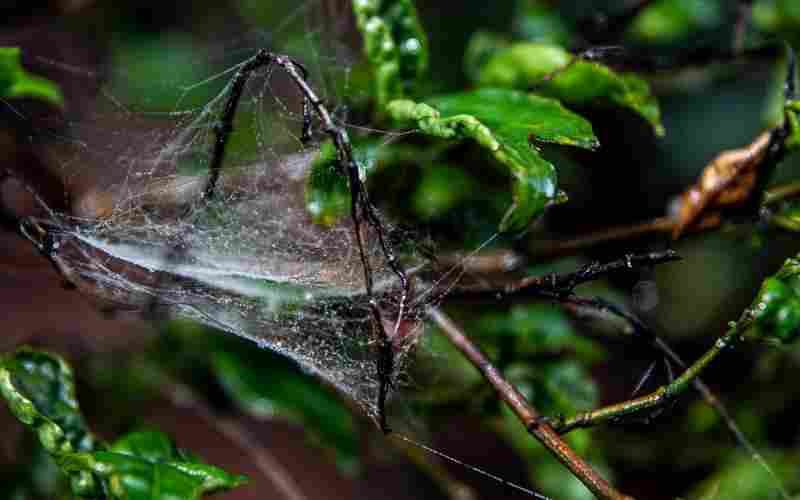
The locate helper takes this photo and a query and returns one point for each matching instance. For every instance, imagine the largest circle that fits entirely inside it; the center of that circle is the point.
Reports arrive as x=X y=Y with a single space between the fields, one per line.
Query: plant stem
x=654 y=399
x=527 y=415
x=664 y=225
x=563 y=284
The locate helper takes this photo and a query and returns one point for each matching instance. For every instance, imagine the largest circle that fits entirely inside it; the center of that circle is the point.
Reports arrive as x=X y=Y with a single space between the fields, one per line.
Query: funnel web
x=200 y=213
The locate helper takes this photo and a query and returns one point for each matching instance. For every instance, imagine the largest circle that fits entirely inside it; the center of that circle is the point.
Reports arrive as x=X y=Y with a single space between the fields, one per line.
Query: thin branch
x=360 y=204
x=533 y=421
x=564 y=283
x=661 y=225
x=640 y=328
x=655 y=399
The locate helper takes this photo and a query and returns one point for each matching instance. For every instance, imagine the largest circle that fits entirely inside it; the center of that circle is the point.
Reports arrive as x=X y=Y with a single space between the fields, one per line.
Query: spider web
x=250 y=261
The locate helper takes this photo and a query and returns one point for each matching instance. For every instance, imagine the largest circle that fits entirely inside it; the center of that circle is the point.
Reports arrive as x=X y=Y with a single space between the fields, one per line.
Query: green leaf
x=149 y=465
x=669 y=21
x=16 y=82
x=552 y=71
x=507 y=123
x=131 y=477
x=39 y=389
x=267 y=385
x=775 y=312
x=395 y=45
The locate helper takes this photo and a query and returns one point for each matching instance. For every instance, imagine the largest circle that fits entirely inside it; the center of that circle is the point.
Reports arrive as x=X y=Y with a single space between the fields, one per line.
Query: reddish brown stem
x=527 y=414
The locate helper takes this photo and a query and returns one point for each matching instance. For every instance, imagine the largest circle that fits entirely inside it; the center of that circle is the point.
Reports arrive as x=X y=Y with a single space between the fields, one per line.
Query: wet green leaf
x=149 y=465
x=16 y=82
x=395 y=45
x=775 y=312
x=267 y=385
x=509 y=124
x=552 y=71
x=40 y=392
x=669 y=21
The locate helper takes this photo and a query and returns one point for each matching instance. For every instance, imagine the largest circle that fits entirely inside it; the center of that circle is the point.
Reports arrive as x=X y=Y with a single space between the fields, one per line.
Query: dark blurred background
x=146 y=52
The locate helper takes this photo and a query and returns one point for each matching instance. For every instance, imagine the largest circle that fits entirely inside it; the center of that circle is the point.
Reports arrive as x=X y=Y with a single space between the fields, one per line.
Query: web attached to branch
x=247 y=260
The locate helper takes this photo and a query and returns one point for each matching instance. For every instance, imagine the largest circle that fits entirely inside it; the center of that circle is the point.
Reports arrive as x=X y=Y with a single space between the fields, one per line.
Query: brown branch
x=558 y=284
x=660 y=225
x=527 y=414
x=574 y=304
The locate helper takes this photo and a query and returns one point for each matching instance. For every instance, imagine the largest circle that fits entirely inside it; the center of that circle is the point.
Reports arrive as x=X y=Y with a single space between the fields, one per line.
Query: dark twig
x=641 y=330
x=360 y=206
x=564 y=284
x=757 y=160
x=527 y=415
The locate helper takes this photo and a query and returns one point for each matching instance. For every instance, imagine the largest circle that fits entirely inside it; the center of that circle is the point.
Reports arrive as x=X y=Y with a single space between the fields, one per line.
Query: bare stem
x=659 y=225
x=564 y=283
x=527 y=414
x=657 y=398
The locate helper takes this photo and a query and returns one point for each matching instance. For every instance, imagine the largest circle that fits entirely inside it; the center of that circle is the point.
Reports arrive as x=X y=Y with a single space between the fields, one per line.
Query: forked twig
x=736 y=177
x=563 y=284
x=360 y=204
x=559 y=287
x=533 y=421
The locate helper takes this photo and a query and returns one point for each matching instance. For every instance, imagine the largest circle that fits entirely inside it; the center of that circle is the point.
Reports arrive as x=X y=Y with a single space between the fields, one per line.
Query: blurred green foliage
x=395 y=45
x=553 y=71
x=775 y=311
x=508 y=124
x=669 y=21
x=40 y=391
x=266 y=385
x=16 y=82
x=544 y=85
